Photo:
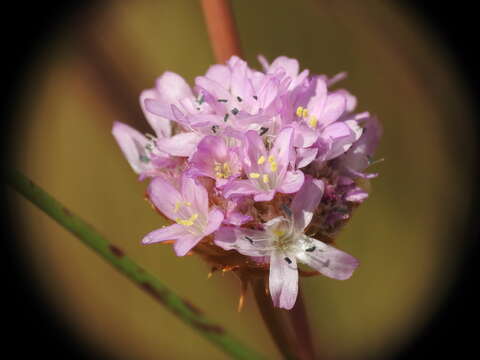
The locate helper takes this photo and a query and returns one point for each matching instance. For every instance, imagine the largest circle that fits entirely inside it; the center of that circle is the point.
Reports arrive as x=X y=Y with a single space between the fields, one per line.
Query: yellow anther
x=219 y=175
x=254 y=175
x=279 y=233
x=273 y=166
x=299 y=111
x=261 y=160
x=313 y=121
x=187 y=222
x=179 y=204
x=271 y=159
x=265 y=178
x=226 y=167
x=305 y=113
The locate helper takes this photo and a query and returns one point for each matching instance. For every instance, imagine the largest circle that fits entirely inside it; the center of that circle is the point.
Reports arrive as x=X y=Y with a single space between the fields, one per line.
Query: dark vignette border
x=31 y=325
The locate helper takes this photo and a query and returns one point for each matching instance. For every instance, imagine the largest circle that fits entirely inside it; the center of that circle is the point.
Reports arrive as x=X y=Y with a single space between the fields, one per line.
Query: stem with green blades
x=116 y=257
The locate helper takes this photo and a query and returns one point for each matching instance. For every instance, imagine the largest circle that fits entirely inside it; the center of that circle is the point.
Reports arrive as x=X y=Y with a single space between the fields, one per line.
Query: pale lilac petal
x=335 y=106
x=171 y=232
x=289 y=65
x=239 y=188
x=283 y=280
x=164 y=196
x=219 y=73
x=183 y=144
x=264 y=196
x=196 y=194
x=292 y=182
x=356 y=195
x=282 y=149
x=305 y=156
x=132 y=144
x=183 y=245
x=172 y=87
x=328 y=260
x=263 y=61
x=306 y=202
x=215 y=218
x=158 y=108
x=160 y=124
x=246 y=241
x=304 y=136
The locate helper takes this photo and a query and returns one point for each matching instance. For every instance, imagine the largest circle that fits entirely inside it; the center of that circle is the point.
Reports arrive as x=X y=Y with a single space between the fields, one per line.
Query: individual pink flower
x=188 y=207
x=284 y=242
x=215 y=159
x=268 y=171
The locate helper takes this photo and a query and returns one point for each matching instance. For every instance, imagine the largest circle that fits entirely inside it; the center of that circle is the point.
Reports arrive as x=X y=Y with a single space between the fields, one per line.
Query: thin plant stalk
x=289 y=330
x=183 y=309
x=221 y=29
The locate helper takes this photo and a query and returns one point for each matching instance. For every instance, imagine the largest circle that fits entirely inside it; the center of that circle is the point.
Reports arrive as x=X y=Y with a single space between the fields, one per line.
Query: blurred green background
x=91 y=74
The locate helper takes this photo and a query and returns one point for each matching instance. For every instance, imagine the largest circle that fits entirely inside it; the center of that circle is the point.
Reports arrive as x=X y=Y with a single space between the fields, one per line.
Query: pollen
x=261 y=160
x=187 y=222
x=299 y=111
x=222 y=171
x=305 y=113
x=273 y=166
x=180 y=204
x=254 y=175
x=313 y=121
x=265 y=178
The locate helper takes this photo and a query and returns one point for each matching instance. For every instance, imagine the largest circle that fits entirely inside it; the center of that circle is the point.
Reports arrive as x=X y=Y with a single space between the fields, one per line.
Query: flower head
x=256 y=170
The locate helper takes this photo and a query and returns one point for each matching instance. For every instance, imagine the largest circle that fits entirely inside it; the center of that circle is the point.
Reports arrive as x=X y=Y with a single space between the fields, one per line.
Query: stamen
x=235 y=111
x=273 y=166
x=263 y=130
x=255 y=97
x=265 y=178
x=271 y=159
x=261 y=160
x=305 y=113
x=287 y=259
x=187 y=222
x=313 y=121
x=299 y=111
x=249 y=239
x=254 y=175
x=310 y=249
x=201 y=100
x=215 y=128
x=239 y=99
x=222 y=100
x=225 y=118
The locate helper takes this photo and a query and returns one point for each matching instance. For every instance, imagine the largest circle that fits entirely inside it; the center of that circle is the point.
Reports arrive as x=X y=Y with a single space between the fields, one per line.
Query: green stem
x=144 y=280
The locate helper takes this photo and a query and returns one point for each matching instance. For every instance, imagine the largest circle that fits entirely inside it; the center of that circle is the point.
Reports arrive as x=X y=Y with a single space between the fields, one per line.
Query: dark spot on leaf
x=116 y=251
x=208 y=327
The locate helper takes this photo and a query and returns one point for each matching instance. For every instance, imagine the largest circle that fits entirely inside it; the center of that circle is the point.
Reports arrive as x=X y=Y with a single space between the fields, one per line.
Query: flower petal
x=172 y=87
x=215 y=218
x=328 y=260
x=132 y=144
x=292 y=182
x=171 y=232
x=184 y=244
x=306 y=202
x=246 y=241
x=160 y=124
x=196 y=194
x=164 y=196
x=283 y=280
x=183 y=144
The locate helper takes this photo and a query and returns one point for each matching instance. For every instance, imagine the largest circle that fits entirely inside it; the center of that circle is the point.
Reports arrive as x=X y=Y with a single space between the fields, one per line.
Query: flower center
x=303 y=113
x=222 y=170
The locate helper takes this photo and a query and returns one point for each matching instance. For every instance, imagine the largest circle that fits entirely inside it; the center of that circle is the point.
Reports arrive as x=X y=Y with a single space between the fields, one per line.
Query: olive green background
x=405 y=235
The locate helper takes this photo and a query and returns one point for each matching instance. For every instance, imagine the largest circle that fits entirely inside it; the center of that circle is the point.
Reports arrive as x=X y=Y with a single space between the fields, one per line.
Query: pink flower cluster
x=264 y=163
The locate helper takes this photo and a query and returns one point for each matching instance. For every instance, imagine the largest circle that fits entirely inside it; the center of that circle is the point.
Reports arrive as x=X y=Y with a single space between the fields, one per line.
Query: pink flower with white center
x=284 y=242
x=215 y=159
x=268 y=171
x=188 y=207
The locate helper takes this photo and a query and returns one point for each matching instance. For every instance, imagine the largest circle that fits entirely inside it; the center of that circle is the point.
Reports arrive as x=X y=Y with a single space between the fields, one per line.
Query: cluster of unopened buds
x=256 y=170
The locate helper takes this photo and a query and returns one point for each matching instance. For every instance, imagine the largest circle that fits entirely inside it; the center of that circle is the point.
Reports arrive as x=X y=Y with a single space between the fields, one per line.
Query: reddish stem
x=221 y=29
